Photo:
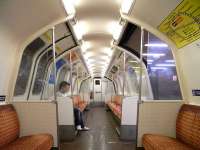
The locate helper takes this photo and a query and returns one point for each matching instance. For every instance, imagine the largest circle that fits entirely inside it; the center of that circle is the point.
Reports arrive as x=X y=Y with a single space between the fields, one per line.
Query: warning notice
x=182 y=25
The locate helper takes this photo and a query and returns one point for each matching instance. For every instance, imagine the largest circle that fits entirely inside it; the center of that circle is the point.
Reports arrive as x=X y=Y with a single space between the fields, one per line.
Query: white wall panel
x=157 y=117
x=37 y=117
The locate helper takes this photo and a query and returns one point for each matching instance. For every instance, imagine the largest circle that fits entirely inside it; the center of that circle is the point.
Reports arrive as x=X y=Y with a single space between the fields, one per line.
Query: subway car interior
x=99 y=74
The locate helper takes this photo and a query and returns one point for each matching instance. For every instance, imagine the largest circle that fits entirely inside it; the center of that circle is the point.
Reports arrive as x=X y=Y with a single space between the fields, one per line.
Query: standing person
x=78 y=115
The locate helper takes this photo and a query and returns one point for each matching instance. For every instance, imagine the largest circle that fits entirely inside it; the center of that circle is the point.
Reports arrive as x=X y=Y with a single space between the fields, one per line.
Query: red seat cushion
x=188 y=125
x=159 y=142
x=78 y=103
x=9 y=125
x=118 y=100
x=33 y=142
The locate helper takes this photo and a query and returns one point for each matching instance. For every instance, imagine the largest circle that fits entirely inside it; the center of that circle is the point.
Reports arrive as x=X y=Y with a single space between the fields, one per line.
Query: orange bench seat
x=9 y=133
x=79 y=103
x=187 y=132
x=115 y=105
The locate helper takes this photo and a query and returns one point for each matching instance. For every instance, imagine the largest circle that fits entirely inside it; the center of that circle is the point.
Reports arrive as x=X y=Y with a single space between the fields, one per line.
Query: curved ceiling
x=98 y=21
x=22 y=21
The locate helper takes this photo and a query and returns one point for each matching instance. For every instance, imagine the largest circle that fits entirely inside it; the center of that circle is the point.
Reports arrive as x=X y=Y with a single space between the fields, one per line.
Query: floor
x=102 y=134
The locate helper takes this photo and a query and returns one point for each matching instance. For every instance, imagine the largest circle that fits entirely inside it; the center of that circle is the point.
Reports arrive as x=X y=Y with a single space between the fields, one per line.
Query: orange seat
x=187 y=132
x=79 y=103
x=115 y=105
x=33 y=142
x=159 y=142
x=9 y=133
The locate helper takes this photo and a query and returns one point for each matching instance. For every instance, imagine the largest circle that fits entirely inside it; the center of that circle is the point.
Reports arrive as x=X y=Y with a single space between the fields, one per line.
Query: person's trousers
x=78 y=116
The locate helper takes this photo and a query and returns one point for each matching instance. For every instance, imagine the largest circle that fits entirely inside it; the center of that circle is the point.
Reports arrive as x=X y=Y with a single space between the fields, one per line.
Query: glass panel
x=26 y=65
x=161 y=69
x=65 y=44
x=131 y=39
x=132 y=76
x=62 y=74
x=41 y=72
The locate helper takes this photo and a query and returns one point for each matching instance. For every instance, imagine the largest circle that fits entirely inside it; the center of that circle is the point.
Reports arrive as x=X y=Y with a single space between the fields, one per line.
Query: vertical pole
x=55 y=96
x=54 y=61
x=124 y=72
x=70 y=58
x=101 y=90
x=141 y=61
x=93 y=90
x=77 y=79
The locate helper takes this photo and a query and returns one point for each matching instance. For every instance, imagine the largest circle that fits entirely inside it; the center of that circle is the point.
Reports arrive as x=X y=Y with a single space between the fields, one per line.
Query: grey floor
x=102 y=134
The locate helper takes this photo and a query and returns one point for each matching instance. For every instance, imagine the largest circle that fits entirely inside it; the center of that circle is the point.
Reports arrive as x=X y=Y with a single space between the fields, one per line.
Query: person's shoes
x=78 y=128
x=85 y=129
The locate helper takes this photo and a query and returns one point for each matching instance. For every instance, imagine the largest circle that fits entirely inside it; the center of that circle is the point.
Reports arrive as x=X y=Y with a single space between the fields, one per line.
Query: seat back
x=76 y=100
x=118 y=100
x=9 y=125
x=65 y=111
x=188 y=125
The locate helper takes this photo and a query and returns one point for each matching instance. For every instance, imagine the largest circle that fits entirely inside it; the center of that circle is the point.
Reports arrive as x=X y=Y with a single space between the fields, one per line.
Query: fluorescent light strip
x=97 y=60
x=158 y=68
x=93 y=56
x=165 y=65
x=156 y=45
x=153 y=54
x=170 y=61
x=69 y=7
x=126 y=6
x=150 y=60
x=133 y=61
x=85 y=46
x=78 y=31
x=116 y=29
x=136 y=67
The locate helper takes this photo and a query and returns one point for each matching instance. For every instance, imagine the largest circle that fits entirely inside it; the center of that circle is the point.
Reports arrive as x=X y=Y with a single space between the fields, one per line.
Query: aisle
x=102 y=135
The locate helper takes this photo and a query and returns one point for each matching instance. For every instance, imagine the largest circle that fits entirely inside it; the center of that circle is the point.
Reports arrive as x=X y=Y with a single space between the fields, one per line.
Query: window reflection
x=161 y=69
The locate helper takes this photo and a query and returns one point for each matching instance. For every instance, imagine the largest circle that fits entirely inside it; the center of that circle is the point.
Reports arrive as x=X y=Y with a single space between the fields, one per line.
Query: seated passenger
x=78 y=115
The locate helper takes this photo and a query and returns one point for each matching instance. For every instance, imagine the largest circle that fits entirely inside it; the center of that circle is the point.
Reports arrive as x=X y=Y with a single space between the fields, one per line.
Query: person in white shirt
x=78 y=115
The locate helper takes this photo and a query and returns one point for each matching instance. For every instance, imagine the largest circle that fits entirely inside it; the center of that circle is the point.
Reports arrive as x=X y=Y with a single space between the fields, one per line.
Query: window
x=159 y=76
x=97 y=82
x=62 y=74
x=41 y=71
x=132 y=76
x=161 y=69
x=36 y=69
x=25 y=66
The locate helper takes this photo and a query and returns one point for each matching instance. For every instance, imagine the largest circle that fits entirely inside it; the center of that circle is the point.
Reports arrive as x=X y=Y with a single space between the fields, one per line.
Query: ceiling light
x=85 y=46
x=96 y=56
x=156 y=45
x=136 y=67
x=154 y=54
x=126 y=6
x=78 y=31
x=108 y=51
x=150 y=60
x=165 y=65
x=96 y=62
x=87 y=55
x=133 y=61
x=170 y=61
x=80 y=28
x=97 y=66
x=158 y=68
x=69 y=7
x=116 y=29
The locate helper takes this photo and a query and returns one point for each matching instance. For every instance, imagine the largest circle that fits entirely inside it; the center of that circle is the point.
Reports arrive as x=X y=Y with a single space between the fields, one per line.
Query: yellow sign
x=182 y=25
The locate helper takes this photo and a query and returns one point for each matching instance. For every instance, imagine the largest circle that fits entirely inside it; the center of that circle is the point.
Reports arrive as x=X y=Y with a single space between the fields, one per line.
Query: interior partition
x=157 y=117
x=37 y=117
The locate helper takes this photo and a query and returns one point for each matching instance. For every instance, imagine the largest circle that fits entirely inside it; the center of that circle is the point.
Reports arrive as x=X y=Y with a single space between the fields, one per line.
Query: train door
x=97 y=90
